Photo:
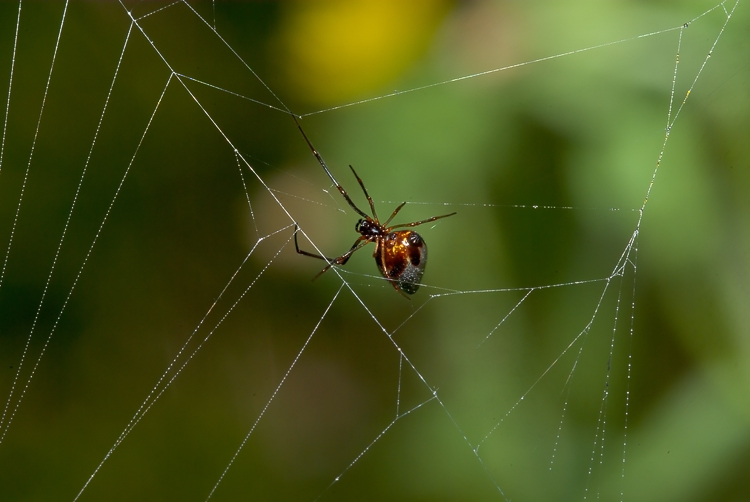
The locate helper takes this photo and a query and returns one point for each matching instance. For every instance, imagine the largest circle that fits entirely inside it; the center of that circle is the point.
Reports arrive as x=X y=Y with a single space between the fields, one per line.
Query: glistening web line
x=185 y=322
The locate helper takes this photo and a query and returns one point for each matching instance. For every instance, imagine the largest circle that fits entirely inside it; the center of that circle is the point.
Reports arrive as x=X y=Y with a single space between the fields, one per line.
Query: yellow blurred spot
x=336 y=50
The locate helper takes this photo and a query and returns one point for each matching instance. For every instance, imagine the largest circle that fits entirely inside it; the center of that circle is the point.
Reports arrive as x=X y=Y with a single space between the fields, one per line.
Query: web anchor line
x=434 y=399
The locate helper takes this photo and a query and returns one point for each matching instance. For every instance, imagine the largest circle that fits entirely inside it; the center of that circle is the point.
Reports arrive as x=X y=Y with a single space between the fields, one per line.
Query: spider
x=401 y=255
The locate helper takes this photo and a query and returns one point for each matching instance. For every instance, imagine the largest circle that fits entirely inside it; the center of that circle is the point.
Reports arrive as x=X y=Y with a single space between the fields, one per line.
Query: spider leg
x=307 y=253
x=340 y=260
x=415 y=223
x=394 y=213
x=325 y=168
x=369 y=199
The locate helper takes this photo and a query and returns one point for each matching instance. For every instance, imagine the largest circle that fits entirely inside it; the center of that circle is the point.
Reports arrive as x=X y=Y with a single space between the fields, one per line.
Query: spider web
x=161 y=339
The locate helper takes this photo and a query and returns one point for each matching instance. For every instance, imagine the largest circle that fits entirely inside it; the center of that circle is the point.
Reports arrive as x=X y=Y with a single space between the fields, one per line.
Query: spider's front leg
x=340 y=260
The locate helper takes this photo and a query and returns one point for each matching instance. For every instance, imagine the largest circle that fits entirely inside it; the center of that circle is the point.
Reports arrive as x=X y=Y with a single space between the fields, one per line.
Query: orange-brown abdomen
x=401 y=257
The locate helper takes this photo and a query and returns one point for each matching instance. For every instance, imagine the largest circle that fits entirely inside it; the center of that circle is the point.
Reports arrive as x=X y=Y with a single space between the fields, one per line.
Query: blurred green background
x=547 y=165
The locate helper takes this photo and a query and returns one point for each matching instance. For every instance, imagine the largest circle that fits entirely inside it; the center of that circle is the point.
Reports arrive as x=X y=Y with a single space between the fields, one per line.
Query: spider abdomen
x=401 y=257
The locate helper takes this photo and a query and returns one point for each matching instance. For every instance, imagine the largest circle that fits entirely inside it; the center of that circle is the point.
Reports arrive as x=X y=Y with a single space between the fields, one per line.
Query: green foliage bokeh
x=582 y=131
